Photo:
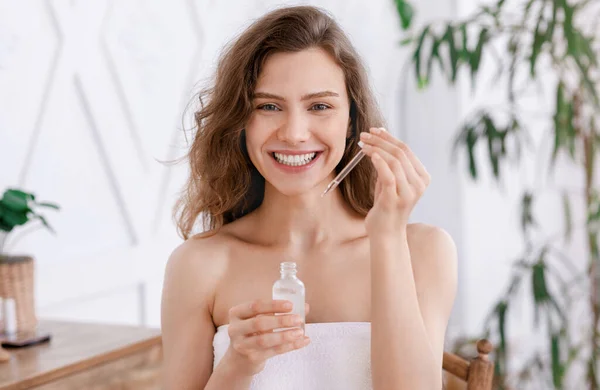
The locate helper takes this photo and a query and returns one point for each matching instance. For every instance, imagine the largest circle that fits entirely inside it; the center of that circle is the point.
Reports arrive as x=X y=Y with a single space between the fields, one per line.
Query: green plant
x=533 y=42
x=18 y=208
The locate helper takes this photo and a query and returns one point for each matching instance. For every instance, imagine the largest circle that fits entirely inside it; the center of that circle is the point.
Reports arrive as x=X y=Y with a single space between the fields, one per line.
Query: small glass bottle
x=289 y=287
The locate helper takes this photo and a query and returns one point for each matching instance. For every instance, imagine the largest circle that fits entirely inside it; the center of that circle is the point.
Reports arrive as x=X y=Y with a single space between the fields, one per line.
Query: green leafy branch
x=18 y=208
x=536 y=37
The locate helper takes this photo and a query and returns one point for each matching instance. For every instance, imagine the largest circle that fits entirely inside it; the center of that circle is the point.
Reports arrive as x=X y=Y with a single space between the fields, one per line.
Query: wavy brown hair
x=223 y=184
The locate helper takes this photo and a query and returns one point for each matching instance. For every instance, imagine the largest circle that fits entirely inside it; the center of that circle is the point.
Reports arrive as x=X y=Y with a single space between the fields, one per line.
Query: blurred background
x=501 y=107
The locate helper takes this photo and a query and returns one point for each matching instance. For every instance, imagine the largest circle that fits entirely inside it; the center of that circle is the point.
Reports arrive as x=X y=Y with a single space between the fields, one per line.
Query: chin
x=293 y=189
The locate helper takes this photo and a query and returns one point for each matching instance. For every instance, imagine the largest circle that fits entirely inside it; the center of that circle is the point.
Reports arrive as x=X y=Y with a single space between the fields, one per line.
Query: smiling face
x=297 y=132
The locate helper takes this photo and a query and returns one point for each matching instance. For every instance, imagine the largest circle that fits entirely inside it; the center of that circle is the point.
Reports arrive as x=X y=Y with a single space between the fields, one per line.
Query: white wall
x=91 y=96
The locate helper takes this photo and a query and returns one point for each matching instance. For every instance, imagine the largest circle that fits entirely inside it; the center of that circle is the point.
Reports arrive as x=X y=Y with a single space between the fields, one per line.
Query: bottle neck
x=288 y=274
x=288 y=270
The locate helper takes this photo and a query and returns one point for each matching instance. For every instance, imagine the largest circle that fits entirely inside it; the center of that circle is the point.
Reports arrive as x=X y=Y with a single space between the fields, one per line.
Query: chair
x=478 y=373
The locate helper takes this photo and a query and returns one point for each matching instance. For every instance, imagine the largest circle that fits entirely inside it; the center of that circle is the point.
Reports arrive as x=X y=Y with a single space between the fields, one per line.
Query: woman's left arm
x=412 y=287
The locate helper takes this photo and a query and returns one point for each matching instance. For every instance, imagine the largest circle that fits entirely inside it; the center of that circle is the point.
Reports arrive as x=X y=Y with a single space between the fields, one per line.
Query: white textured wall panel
x=91 y=99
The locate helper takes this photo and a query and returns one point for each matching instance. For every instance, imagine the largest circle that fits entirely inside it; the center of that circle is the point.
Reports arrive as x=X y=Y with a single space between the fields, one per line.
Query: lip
x=291 y=169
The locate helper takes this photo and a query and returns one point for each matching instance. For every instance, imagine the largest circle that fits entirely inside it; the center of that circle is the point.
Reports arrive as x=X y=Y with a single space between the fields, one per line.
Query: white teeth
x=294 y=160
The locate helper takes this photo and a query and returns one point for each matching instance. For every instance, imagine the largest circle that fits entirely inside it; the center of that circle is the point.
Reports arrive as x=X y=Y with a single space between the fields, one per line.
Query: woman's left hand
x=401 y=180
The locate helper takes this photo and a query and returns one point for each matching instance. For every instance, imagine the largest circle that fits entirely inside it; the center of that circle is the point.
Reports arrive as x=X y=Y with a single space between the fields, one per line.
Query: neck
x=304 y=221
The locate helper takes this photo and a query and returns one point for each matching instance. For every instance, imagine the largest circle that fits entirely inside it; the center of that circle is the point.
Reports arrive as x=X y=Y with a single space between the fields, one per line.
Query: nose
x=295 y=129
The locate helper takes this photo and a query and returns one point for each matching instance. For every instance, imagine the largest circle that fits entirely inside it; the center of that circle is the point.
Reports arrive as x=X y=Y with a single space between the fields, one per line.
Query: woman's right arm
x=186 y=323
x=188 y=330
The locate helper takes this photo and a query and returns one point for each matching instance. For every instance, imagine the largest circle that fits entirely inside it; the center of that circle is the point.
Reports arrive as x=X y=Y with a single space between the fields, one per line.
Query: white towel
x=338 y=358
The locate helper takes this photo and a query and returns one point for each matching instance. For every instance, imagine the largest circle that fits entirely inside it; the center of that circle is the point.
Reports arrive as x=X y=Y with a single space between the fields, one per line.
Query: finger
x=269 y=340
x=417 y=164
x=265 y=323
x=411 y=173
x=387 y=141
x=306 y=308
x=260 y=306
x=395 y=166
x=385 y=176
x=287 y=347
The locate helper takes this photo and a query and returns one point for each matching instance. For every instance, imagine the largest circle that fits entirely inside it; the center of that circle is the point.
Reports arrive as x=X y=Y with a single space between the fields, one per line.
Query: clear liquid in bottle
x=290 y=288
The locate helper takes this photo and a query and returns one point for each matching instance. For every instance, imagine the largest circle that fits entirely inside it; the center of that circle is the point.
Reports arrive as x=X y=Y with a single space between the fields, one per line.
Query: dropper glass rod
x=344 y=172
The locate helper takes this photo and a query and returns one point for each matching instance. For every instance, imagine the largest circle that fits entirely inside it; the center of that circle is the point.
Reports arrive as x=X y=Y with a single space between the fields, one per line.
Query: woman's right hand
x=252 y=338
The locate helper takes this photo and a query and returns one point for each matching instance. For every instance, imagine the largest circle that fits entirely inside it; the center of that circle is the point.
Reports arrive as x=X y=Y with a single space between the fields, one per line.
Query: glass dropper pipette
x=344 y=172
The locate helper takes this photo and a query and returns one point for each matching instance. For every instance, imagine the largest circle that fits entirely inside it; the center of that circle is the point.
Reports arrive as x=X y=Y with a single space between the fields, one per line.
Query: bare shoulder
x=197 y=265
x=433 y=254
x=428 y=243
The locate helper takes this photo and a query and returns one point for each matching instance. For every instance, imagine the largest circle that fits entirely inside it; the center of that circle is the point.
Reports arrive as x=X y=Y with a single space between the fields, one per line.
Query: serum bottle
x=289 y=287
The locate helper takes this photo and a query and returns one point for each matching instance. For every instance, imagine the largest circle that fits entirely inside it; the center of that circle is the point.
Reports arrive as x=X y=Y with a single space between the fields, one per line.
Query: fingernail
x=375 y=130
x=287 y=305
x=365 y=135
x=361 y=144
x=383 y=129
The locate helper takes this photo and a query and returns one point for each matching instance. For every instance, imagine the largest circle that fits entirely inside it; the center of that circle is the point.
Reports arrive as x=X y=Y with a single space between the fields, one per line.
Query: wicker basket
x=17 y=282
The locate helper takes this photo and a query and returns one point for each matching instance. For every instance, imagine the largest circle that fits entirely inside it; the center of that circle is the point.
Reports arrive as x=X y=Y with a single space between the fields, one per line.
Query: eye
x=268 y=107
x=320 y=107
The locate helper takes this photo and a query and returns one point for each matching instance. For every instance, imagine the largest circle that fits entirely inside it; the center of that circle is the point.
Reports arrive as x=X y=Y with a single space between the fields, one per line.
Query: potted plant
x=19 y=208
x=551 y=45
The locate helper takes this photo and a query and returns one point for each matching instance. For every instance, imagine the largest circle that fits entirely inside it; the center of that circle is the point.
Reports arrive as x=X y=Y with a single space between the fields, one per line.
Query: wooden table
x=87 y=356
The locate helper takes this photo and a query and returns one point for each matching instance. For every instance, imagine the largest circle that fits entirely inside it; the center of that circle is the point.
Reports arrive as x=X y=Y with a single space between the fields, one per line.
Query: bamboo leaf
x=561 y=119
x=579 y=47
x=475 y=60
x=557 y=368
x=406 y=41
x=585 y=48
x=492 y=134
x=552 y=24
x=513 y=50
x=417 y=57
x=539 y=37
x=528 y=8
x=540 y=290
x=501 y=311
x=465 y=54
x=449 y=39
x=406 y=13
x=435 y=55
x=591 y=374
x=471 y=142
x=527 y=219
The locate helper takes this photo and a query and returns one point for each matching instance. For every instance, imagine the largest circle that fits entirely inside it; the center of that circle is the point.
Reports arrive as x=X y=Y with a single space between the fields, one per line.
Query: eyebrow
x=267 y=95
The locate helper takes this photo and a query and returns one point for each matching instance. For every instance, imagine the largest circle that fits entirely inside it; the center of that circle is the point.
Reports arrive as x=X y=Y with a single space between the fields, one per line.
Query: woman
x=379 y=291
